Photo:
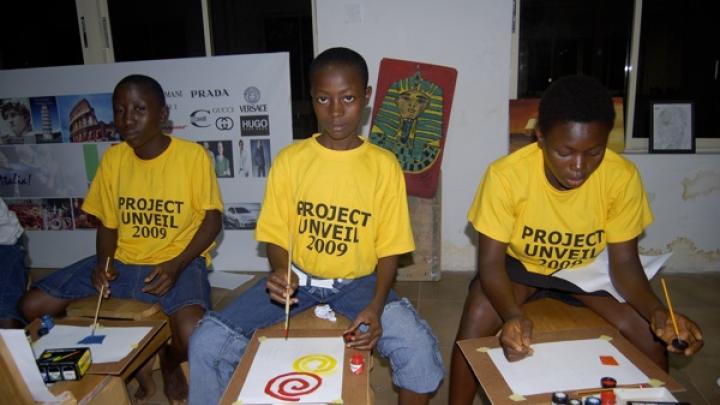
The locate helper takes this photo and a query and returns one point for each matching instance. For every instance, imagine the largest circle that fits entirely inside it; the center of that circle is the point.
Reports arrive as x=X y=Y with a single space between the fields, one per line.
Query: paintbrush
x=677 y=342
x=287 y=289
x=102 y=291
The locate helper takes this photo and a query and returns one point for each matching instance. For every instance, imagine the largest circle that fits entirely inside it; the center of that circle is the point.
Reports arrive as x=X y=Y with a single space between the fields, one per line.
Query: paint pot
x=607 y=397
x=680 y=344
x=608 y=382
x=559 y=398
x=357 y=364
x=592 y=401
x=574 y=402
x=46 y=323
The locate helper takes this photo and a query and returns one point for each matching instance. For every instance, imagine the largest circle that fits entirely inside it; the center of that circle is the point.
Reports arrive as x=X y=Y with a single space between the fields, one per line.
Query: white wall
x=473 y=36
x=684 y=192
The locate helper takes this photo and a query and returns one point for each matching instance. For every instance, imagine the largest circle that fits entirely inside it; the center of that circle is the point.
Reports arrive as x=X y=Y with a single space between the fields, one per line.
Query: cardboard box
x=66 y=364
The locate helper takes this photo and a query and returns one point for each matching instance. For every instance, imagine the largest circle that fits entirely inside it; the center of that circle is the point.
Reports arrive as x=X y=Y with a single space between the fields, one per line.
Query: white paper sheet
x=566 y=366
x=595 y=276
x=19 y=348
x=321 y=357
x=230 y=281
x=118 y=343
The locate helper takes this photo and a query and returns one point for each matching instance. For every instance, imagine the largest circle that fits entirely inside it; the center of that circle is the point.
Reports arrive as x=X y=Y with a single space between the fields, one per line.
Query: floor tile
x=443 y=316
x=452 y=286
x=407 y=289
x=689 y=289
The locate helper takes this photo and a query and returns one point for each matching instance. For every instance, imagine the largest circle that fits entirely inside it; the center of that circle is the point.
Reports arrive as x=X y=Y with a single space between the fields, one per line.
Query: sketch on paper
x=302 y=370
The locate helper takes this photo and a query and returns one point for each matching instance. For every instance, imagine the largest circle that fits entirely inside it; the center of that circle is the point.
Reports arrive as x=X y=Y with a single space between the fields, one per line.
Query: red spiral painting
x=292 y=386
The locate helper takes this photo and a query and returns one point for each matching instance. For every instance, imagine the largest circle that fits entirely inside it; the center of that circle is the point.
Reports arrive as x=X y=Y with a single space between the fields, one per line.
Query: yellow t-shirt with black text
x=156 y=205
x=344 y=209
x=549 y=229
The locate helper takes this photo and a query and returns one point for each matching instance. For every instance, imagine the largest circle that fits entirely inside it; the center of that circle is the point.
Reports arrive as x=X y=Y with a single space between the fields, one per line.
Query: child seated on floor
x=334 y=180
x=558 y=204
x=162 y=259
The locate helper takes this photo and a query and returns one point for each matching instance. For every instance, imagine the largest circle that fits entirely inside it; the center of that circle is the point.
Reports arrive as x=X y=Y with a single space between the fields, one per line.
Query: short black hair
x=575 y=99
x=145 y=82
x=340 y=56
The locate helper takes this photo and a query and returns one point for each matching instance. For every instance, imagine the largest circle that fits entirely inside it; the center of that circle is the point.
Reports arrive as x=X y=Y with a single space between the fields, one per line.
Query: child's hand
x=162 y=278
x=661 y=324
x=365 y=331
x=277 y=286
x=515 y=337
x=101 y=278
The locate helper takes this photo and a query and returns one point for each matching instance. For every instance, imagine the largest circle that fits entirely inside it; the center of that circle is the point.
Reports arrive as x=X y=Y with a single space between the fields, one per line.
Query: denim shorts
x=218 y=343
x=13 y=279
x=75 y=281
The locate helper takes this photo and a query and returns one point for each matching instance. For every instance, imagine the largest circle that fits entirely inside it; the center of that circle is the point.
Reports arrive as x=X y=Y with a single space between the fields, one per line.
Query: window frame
x=632 y=145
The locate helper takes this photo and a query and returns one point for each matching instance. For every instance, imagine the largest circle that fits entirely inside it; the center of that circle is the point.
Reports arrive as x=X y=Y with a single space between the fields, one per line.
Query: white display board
x=57 y=123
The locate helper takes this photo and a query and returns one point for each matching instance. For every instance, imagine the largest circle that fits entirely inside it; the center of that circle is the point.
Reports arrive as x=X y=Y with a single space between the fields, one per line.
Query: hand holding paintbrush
x=682 y=334
x=100 y=297
x=282 y=282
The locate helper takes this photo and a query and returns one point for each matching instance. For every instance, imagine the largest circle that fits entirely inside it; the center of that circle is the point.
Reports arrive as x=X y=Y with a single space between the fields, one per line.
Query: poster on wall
x=56 y=123
x=411 y=116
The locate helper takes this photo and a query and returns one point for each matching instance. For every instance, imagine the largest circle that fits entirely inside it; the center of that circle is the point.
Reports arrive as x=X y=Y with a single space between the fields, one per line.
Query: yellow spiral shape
x=315 y=363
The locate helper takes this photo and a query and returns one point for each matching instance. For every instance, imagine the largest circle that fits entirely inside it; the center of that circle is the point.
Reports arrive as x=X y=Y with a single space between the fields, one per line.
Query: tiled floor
x=440 y=303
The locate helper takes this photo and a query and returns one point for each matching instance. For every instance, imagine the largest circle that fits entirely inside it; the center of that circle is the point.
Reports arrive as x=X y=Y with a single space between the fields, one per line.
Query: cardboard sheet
x=497 y=385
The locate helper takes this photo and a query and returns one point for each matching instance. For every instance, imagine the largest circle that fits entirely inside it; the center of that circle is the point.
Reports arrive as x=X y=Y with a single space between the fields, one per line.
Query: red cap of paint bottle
x=357 y=363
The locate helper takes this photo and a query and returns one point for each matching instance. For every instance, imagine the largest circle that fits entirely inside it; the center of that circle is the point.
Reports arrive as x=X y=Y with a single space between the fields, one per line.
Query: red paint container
x=357 y=364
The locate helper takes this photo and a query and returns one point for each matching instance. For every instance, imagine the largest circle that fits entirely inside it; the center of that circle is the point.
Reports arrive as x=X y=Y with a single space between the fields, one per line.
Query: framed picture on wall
x=671 y=127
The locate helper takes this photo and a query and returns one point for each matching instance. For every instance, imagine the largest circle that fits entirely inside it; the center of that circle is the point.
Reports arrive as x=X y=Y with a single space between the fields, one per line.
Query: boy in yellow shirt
x=158 y=207
x=340 y=203
x=557 y=204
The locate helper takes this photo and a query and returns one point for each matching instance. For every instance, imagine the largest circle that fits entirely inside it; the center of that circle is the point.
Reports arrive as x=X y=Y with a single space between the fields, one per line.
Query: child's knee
x=31 y=305
x=213 y=342
x=186 y=319
x=412 y=349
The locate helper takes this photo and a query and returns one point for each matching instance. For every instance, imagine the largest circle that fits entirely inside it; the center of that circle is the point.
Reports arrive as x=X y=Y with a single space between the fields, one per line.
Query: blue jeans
x=218 y=343
x=13 y=279
x=75 y=281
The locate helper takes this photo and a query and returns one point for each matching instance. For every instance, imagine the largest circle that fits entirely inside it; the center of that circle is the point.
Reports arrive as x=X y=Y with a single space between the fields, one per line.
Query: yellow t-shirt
x=156 y=205
x=346 y=209
x=549 y=229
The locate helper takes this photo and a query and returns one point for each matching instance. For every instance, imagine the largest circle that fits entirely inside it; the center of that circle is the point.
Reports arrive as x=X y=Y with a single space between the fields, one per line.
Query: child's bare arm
x=105 y=246
x=516 y=332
